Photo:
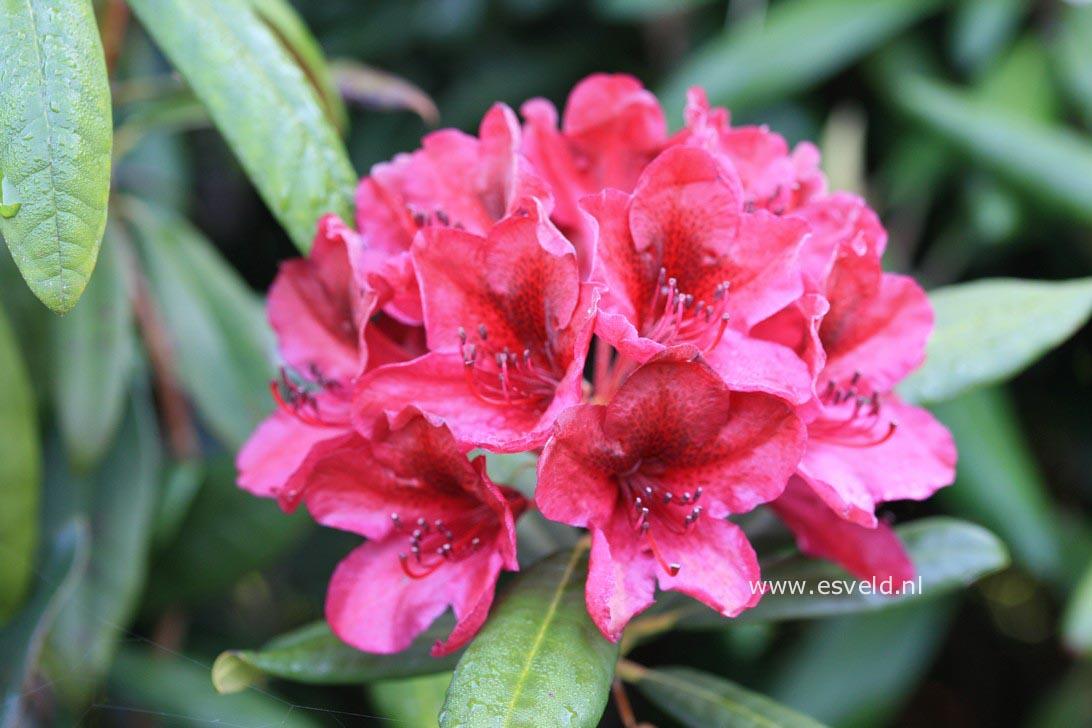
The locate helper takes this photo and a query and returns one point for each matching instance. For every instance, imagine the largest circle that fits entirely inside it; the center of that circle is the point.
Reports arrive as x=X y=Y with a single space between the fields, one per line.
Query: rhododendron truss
x=740 y=339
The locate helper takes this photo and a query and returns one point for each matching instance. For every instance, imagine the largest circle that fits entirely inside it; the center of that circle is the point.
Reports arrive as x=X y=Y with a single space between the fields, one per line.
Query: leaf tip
x=231 y=673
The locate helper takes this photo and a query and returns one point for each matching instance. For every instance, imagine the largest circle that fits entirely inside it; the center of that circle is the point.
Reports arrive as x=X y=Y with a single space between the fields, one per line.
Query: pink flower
x=683 y=263
x=439 y=532
x=862 y=333
x=321 y=308
x=612 y=128
x=508 y=327
x=454 y=180
x=654 y=473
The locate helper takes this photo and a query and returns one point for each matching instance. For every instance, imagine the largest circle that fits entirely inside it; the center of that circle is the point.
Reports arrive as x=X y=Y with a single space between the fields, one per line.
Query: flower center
x=675 y=317
x=500 y=376
x=298 y=395
x=852 y=417
x=654 y=507
x=435 y=543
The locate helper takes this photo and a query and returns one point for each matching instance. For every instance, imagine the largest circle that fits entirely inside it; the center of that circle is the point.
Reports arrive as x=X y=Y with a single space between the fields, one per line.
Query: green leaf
x=313 y=654
x=55 y=136
x=283 y=19
x=21 y=641
x=180 y=487
x=1073 y=55
x=118 y=501
x=226 y=534
x=797 y=43
x=981 y=29
x=174 y=110
x=93 y=350
x=702 y=700
x=218 y=328
x=633 y=10
x=858 y=670
x=998 y=483
x=948 y=555
x=990 y=330
x=539 y=659
x=262 y=103
x=1077 y=621
x=413 y=703
x=1048 y=162
x=179 y=688
x=20 y=474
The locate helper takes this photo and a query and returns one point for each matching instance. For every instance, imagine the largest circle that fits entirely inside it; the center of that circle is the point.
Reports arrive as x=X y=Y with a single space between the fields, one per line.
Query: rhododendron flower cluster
x=680 y=327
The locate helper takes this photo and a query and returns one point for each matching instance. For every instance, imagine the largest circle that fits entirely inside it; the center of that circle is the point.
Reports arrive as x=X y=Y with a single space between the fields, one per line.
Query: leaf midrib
x=517 y=690
x=46 y=115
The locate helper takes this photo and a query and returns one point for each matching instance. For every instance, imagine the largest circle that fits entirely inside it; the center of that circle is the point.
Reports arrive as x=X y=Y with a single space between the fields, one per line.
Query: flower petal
x=374 y=606
x=865 y=552
x=276 y=451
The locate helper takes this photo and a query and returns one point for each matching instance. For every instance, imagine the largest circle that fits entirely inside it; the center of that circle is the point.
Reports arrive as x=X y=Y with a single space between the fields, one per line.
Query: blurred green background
x=964 y=123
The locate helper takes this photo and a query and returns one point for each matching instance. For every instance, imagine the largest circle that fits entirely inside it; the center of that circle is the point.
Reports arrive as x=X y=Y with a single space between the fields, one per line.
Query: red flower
x=455 y=180
x=862 y=333
x=654 y=473
x=439 y=532
x=320 y=308
x=683 y=263
x=612 y=128
x=508 y=326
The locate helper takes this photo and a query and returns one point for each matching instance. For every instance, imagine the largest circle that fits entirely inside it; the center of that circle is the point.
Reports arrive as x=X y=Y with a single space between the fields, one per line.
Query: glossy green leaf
x=797 y=43
x=1048 y=162
x=217 y=326
x=118 y=502
x=990 y=330
x=539 y=659
x=700 y=700
x=413 y=703
x=20 y=473
x=1073 y=53
x=297 y=39
x=277 y=128
x=857 y=671
x=21 y=641
x=948 y=555
x=998 y=482
x=93 y=350
x=177 y=688
x=312 y=654
x=228 y=533
x=55 y=136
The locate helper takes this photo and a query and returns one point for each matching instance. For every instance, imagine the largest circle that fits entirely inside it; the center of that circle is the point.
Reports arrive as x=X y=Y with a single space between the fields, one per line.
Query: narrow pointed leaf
x=1073 y=54
x=21 y=641
x=298 y=40
x=118 y=502
x=55 y=136
x=796 y=44
x=701 y=700
x=217 y=326
x=93 y=349
x=998 y=482
x=990 y=330
x=539 y=659
x=313 y=654
x=20 y=474
x=263 y=104
x=1047 y=162
x=178 y=687
x=370 y=88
